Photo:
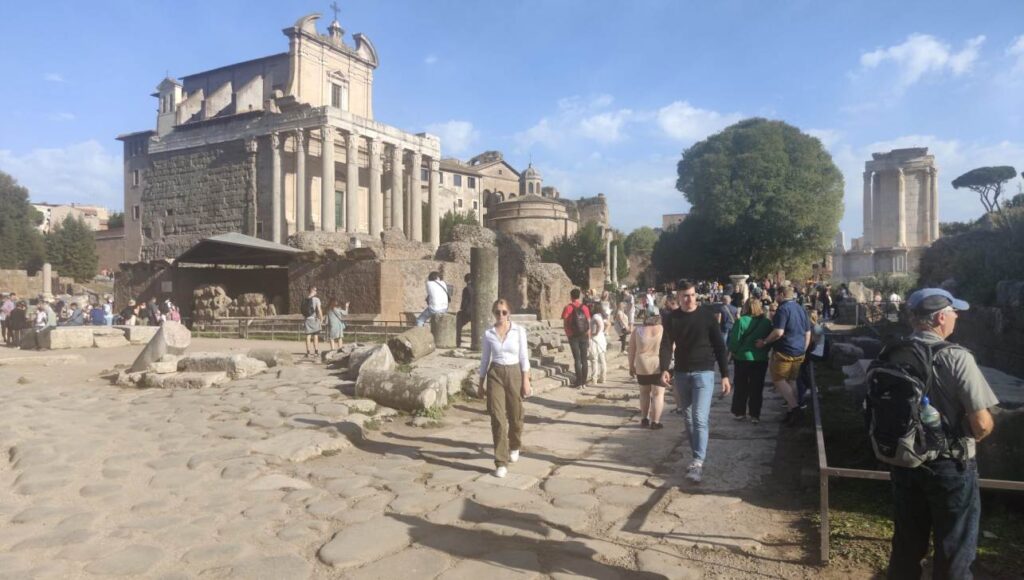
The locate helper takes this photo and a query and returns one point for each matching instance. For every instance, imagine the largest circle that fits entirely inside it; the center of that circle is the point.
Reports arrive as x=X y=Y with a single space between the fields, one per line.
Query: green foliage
x=577 y=253
x=71 y=249
x=954 y=228
x=116 y=220
x=988 y=183
x=641 y=241
x=765 y=197
x=452 y=219
x=976 y=261
x=886 y=284
x=1015 y=201
x=22 y=243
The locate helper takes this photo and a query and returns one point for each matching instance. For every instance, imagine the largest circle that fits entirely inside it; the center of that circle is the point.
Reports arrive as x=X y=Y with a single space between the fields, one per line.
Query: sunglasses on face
x=501 y=312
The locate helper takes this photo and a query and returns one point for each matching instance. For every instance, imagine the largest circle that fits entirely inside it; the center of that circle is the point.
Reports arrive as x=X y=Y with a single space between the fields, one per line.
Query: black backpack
x=897 y=381
x=578 y=321
x=306 y=308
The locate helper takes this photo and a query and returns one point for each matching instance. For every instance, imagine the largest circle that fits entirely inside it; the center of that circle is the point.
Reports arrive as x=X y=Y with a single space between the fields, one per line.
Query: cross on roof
x=335 y=9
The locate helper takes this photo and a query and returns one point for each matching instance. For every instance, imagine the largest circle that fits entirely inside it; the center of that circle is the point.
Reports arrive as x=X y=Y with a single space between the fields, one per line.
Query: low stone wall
x=28 y=287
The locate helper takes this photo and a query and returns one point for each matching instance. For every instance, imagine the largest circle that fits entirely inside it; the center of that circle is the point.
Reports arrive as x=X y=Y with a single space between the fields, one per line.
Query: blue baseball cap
x=928 y=300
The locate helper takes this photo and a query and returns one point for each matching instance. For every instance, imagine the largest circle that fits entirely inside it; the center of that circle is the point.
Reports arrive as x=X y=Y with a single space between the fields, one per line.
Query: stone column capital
x=435 y=165
x=275 y=140
x=300 y=139
x=250 y=145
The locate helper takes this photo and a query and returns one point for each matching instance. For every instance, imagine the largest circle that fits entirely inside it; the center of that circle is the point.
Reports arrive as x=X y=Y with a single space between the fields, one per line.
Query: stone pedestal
x=443 y=328
x=483 y=267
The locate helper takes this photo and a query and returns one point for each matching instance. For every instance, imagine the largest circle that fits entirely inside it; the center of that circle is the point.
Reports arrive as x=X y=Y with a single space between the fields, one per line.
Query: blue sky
x=604 y=96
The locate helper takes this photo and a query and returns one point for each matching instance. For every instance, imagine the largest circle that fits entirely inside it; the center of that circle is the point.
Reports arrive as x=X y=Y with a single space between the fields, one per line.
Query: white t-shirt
x=437 y=295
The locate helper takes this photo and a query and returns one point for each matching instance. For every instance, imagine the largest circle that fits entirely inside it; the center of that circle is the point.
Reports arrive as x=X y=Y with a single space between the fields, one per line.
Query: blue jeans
x=427 y=314
x=943 y=499
x=695 y=391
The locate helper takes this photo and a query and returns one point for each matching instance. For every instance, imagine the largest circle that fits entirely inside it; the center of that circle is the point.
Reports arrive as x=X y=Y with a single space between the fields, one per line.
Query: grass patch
x=433 y=413
x=372 y=425
x=860 y=511
x=404 y=368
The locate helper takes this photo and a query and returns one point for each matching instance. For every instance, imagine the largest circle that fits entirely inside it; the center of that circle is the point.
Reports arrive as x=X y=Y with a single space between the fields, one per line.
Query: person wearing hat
x=129 y=316
x=942 y=495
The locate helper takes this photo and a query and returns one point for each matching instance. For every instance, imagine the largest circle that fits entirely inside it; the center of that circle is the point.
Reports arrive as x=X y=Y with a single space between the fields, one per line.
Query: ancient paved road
x=99 y=480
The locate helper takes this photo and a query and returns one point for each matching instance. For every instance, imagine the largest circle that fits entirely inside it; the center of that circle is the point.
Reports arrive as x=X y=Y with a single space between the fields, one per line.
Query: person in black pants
x=749 y=362
x=576 y=317
x=465 y=314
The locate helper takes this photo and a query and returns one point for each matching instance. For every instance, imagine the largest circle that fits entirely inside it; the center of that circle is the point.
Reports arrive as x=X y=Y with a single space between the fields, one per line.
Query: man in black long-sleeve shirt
x=698 y=343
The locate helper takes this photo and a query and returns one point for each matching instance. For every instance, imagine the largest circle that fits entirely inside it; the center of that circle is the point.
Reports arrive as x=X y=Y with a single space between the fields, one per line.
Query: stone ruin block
x=373 y=357
x=404 y=391
x=107 y=337
x=236 y=366
x=412 y=344
x=65 y=337
x=188 y=380
x=273 y=357
x=138 y=334
x=171 y=338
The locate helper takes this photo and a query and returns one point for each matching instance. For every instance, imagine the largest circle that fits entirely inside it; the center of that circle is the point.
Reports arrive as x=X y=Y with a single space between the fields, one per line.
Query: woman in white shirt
x=504 y=382
x=599 y=344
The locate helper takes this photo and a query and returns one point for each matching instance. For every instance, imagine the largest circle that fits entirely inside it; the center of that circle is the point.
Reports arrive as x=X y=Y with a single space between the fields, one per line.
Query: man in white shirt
x=437 y=298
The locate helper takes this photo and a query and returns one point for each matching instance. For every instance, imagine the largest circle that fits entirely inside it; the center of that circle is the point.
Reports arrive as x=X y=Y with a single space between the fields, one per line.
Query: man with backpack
x=927 y=406
x=576 y=317
x=313 y=315
x=790 y=337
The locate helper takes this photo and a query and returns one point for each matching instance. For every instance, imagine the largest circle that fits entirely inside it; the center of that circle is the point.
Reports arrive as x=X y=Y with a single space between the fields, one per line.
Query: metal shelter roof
x=238 y=250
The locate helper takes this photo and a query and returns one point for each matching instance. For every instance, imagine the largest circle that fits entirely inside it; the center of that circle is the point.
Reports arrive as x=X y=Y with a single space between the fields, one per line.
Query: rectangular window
x=472 y=183
x=259 y=229
x=460 y=203
x=136 y=213
x=136 y=177
x=457 y=180
x=476 y=204
x=339 y=96
x=424 y=174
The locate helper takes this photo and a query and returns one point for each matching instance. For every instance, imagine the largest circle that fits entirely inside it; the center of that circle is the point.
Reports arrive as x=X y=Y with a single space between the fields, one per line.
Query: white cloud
x=54 y=78
x=82 y=173
x=457 y=137
x=62 y=116
x=923 y=54
x=682 y=121
x=1016 y=51
x=605 y=127
x=430 y=59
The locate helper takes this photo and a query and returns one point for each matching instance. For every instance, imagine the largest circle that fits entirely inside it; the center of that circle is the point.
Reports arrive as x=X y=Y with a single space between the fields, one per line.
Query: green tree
x=988 y=183
x=954 y=228
x=765 y=197
x=116 y=220
x=21 y=244
x=1015 y=201
x=577 y=253
x=641 y=241
x=452 y=219
x=71 y=249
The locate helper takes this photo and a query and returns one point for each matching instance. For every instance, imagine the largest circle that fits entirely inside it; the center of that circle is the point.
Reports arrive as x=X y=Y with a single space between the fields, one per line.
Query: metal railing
x=825 y=472
x=294 y=329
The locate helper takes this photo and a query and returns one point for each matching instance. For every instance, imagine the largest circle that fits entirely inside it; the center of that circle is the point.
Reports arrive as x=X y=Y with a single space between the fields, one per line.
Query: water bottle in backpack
x=931 y=420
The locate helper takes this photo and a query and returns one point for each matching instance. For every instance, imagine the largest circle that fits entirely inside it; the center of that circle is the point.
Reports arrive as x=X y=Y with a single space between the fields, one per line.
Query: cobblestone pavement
x=101 y=480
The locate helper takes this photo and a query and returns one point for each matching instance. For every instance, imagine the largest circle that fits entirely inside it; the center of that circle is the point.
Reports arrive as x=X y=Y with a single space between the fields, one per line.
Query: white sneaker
x=695 y=464
x=513 y=456
x=501 y=471
x=695 y=474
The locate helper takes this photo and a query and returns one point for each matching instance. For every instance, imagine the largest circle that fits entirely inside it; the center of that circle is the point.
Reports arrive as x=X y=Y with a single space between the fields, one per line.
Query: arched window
x=529 y=187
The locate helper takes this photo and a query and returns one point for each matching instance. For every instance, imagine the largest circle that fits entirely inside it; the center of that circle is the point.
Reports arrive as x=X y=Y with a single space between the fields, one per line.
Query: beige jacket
x=644 y=350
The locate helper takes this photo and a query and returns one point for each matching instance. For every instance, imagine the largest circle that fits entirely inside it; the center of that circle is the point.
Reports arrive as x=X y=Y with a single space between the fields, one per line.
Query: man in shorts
x=313 y=314
x=789 y=340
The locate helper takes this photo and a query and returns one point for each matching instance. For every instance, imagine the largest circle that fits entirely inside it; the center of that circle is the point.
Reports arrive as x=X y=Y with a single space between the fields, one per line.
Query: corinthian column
x=275 y=188
x=901 y=208
x=435 y=203
x=328 y=222
x=415 y=195
x=868 y=226
x=250 y=190
x=300 y=180
x=397 y=200
x=607 y=259
x=352 y=183
x=933 y=199
x=376 y=198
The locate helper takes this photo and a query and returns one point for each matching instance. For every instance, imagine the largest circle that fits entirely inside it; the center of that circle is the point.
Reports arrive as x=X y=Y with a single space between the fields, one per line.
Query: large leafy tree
x=641 y=241
x=449 y=221
x=21 y=244
x=71 y=249
x=765 y=197
x=988 y=183
x=578 y=253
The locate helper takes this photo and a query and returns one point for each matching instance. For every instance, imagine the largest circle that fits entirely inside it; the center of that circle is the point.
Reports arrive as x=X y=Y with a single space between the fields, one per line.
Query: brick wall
x=191 y=194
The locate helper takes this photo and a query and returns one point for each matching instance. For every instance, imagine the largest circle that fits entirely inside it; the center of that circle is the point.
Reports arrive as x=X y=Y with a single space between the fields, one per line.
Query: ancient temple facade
x=274 y=146
x=901 y=215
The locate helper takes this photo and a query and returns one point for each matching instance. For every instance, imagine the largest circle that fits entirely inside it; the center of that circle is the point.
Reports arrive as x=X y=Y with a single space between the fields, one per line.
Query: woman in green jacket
x=750 y=363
